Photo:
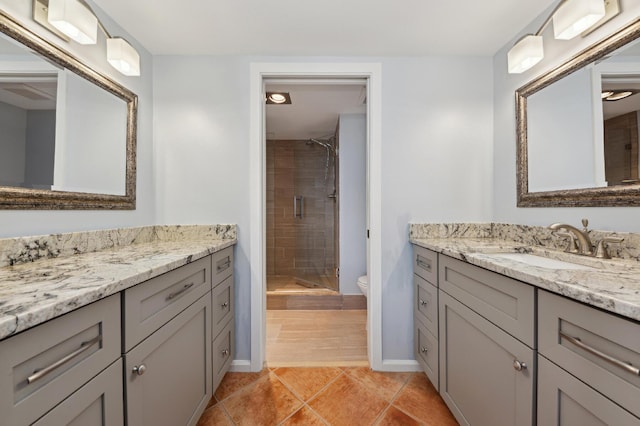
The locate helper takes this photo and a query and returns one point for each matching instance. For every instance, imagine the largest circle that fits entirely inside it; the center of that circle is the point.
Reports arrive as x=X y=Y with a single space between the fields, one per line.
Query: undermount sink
x=539 y=261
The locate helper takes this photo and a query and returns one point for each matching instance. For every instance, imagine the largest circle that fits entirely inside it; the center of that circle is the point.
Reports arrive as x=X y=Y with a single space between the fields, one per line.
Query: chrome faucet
x=585 y=247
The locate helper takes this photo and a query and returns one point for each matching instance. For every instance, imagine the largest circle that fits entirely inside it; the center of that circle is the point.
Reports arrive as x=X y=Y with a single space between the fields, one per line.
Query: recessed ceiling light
x=278 y=98
x=617 y=95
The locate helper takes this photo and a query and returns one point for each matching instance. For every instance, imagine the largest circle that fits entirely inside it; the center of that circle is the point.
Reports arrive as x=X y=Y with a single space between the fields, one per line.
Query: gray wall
x=504 y=180
x=41 y=141
x=33 y=222
x=353 y=201
x=436 y=160
x=13 y=123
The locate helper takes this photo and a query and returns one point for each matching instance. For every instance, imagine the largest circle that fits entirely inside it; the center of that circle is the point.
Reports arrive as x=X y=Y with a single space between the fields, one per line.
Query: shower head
x=325 y=144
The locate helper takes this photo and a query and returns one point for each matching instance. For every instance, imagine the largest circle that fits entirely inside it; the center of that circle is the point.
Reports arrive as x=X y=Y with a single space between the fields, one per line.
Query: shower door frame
x=259 y=72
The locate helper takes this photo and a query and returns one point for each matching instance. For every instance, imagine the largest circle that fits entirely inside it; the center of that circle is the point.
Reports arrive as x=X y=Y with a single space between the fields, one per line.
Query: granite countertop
x=612 y=285
x=34 y=292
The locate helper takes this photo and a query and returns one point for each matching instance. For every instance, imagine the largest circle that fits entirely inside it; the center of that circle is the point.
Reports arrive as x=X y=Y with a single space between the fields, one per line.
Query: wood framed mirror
x=69 y=137
x=566 y=135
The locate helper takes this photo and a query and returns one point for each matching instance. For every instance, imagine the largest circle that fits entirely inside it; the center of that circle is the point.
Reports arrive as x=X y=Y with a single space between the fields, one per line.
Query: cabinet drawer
x=223 y=353
x=564 y=400
x=150 y=305
x=478 y=378
x=98 y=403
x=505 y=302
x=175 y=385
x=67 y=351
x=425 y=305
x=425 y=264
x=222 y=265
x=585 y=330
x=426 y=351
x=222 y=306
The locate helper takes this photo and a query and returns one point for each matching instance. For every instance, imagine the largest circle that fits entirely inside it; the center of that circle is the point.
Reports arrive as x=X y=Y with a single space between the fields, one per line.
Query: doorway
x=260 y=72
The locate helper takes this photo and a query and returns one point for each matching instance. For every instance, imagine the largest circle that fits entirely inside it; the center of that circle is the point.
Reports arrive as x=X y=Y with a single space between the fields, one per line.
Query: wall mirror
x=578 y=128
x=68 y=133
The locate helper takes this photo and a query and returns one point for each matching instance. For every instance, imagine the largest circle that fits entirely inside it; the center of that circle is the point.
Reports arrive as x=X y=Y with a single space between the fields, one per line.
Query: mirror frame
x=587 y=197
x=24 y=198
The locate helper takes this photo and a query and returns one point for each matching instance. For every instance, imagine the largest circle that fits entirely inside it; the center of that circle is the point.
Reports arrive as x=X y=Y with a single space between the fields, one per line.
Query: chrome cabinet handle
x=179 y=292
x=222 y=266
x=224 y=305
x=519 y=365
x=424 y=350
x=423 y=263
x=139 y=369
x=423 y=302
x=625 y=366
x=225 y=352
x=84 y=346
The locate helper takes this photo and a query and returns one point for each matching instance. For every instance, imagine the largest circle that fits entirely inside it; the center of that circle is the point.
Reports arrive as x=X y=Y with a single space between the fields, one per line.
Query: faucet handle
x=585 y=224
x=601 y=250
x=572 y=247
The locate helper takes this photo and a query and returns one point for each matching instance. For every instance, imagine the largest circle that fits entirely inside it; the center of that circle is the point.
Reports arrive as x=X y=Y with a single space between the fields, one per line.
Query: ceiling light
x=74 y=19
x=575 y=16
x=278 y=98
x=123 y=57
x=525 y=54
x=619 y=95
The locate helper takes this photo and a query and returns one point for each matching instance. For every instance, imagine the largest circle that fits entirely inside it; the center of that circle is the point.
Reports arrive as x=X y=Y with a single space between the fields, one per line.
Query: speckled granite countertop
x=107 y=262
x=612 y=285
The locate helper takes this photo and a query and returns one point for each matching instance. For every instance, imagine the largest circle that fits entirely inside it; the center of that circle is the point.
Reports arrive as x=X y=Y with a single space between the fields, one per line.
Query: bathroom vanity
x=508 y=342
x=139 y=333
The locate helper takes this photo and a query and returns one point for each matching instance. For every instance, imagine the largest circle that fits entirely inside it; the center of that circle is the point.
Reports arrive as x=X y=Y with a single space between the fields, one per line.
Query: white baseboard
x=401 y=365
x=240 y=366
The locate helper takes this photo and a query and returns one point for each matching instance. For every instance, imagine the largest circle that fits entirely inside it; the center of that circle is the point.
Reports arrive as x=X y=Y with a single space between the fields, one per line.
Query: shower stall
x=302 y=215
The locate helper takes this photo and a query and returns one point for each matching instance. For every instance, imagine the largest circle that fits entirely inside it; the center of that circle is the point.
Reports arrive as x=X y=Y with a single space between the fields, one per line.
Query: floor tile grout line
x=241 y=388
x=315 y=394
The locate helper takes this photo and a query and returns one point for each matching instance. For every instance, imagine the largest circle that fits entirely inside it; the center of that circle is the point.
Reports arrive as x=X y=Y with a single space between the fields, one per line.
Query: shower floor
x=289 y=284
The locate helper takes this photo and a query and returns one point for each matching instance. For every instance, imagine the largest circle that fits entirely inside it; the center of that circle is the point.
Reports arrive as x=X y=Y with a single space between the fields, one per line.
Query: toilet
x=363 y=283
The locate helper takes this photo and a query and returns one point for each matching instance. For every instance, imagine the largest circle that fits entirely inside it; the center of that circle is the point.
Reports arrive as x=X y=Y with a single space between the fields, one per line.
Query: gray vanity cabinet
x=43 y=368
x=487 y=361
x=589 y=364
x=425 y=312
x=168 y=375
x=222 y=296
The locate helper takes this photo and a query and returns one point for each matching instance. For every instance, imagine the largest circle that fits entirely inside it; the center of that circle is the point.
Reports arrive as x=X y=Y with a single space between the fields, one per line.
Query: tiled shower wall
x=301 y=248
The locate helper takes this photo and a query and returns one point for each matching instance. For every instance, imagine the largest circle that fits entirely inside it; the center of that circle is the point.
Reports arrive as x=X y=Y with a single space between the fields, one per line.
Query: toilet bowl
x=363 y=283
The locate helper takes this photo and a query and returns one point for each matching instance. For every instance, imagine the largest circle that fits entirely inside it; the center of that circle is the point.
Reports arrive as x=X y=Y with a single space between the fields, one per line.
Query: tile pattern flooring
x=316 y=338
x=351 y=396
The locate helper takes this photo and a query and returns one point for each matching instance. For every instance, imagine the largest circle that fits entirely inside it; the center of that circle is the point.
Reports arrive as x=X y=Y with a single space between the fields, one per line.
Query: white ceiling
x=327 y=27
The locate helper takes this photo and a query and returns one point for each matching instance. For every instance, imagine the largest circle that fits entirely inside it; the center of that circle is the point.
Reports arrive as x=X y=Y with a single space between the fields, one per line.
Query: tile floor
x=351 y=396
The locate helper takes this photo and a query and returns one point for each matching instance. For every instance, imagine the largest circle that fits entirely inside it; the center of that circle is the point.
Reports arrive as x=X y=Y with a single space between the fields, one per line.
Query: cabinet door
x=564 y=400
x=98 y=403
x=478 y=378
x=168 y=375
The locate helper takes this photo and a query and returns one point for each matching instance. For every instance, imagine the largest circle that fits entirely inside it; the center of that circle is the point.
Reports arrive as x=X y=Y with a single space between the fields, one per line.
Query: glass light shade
x=575 y=16
x=123 y=57
x=74 y=19
x=525 y=54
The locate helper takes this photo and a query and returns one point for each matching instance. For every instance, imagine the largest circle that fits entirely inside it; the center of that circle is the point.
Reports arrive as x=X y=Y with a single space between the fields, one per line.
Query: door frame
x=259 y=71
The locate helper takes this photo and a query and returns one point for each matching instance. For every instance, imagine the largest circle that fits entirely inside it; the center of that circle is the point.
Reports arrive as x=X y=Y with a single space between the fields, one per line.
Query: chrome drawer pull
x=139 y=369
x=424 y=264
x=224 y=305
x=84 y=346
x=222 y=266
x=519 y=365
x=625 y=366
x=225 y=352
x=424 y=350
x=423 y=302
x=179 y=292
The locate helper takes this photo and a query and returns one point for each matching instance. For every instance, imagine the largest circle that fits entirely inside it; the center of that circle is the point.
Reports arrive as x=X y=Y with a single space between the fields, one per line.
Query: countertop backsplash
x=541 y=236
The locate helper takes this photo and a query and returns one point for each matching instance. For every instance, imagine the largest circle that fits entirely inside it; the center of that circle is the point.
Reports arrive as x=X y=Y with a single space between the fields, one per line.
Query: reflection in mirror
x=578 y=143
x=68 y=133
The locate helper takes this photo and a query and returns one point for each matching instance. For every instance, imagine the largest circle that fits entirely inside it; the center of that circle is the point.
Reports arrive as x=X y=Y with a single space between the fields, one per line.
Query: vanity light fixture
x=606 y=94
x=570 y=18
x=278 y=98
x=76 y=19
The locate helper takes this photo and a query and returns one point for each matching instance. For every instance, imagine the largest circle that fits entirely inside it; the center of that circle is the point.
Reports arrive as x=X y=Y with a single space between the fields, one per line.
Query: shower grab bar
x=298 y=209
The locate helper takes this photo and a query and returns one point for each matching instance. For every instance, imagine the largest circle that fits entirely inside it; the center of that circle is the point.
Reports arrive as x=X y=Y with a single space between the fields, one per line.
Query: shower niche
x=302 y=214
